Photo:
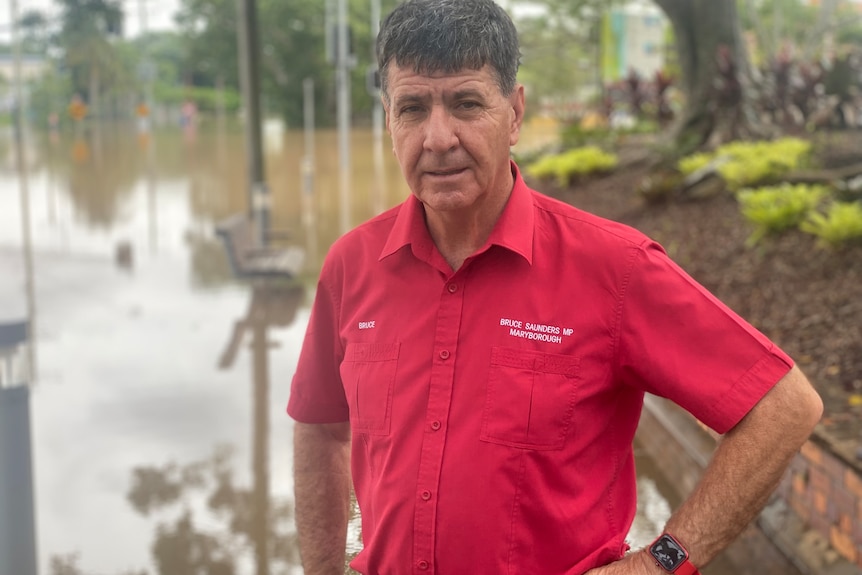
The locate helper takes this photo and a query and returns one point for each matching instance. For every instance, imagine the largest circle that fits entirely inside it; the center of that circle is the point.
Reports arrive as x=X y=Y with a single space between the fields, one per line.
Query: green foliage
x=791 y=17
x=87 y=32
x=745 y=164
x=207 y=99
x=568 y=166
x=292 y=39
x=775 y=209
x=559 y=46
x=574 y=135
x=842 y=224
x=690 y=164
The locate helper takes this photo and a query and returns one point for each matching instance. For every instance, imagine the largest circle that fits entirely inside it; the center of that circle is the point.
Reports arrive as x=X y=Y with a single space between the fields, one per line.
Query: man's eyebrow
x=402 y=99
x=469 y=93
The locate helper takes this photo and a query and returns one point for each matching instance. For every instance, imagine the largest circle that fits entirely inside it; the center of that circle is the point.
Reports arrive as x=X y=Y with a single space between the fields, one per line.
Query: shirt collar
x=513 y=230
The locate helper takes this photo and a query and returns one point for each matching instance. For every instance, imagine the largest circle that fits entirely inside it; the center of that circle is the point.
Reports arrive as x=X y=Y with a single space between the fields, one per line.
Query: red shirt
x=493 y=408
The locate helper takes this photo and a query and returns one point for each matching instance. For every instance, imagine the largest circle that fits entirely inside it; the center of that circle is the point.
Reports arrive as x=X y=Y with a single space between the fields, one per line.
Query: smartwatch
x=670 y=555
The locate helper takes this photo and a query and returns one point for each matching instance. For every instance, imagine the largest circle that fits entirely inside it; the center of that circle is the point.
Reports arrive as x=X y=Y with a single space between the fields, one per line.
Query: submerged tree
x=87 y=29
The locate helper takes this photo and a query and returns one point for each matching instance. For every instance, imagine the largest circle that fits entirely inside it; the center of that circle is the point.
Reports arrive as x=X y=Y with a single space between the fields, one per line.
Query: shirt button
x=444 y=354
x=426 y=495
x=423 y=565
x=435 y=425
x=452 y=288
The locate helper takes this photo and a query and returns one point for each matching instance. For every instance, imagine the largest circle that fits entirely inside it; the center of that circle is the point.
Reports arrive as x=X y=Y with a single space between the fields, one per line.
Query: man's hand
x=637 y=563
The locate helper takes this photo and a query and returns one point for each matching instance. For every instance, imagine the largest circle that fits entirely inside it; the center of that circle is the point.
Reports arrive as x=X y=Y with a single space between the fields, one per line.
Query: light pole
x=377 y=118
x=342 y=81
x=259 y=198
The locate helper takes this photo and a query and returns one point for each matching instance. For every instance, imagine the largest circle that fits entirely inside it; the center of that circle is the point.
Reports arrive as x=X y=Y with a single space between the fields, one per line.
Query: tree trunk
x=715 y=74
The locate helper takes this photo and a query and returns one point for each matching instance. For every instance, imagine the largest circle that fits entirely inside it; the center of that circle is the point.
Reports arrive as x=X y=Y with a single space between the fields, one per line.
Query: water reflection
x=272 y=305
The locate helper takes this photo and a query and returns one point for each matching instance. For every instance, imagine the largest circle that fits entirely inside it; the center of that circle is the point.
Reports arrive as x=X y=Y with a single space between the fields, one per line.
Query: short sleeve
x=316 y=392
x=678 y=341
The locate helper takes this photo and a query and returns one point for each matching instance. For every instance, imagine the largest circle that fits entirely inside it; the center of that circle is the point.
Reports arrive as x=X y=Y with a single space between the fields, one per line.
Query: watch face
x=668 y=553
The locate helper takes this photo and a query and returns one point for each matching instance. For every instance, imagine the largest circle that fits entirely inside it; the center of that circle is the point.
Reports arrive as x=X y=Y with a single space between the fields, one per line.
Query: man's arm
x=321 y=470
x=745 y=469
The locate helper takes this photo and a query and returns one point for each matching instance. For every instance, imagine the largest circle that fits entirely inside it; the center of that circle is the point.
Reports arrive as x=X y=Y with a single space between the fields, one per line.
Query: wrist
x=670 y=556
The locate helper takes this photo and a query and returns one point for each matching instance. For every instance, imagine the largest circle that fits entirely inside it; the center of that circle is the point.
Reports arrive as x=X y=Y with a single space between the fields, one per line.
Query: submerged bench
x=248 y=259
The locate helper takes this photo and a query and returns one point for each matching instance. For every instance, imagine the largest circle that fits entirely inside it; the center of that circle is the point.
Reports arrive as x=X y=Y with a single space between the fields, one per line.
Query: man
x=476 y=357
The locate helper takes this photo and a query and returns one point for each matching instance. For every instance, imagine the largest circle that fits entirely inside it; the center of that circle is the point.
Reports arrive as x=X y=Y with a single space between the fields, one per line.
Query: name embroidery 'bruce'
x=367 y=325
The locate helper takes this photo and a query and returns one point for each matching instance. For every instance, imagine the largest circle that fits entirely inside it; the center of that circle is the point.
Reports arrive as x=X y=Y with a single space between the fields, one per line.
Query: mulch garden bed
x=806 y=298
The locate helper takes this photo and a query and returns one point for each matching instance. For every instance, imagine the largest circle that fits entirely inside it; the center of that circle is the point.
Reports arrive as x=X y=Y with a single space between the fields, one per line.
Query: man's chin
x=444 y=199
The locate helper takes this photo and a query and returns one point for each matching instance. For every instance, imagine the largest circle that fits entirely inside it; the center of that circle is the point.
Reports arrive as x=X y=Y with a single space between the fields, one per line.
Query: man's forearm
x=322 y=495
x=746 y=468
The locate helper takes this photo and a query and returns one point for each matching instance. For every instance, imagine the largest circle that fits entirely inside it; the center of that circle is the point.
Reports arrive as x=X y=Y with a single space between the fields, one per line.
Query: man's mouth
x=441 y=173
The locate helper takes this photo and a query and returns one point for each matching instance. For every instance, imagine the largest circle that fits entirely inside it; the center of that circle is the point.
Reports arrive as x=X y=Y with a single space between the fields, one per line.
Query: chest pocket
x=530 y=399
x=368 y=376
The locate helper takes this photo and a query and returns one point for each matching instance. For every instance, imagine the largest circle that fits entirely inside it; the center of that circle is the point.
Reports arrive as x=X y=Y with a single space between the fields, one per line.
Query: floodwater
x=160 y=382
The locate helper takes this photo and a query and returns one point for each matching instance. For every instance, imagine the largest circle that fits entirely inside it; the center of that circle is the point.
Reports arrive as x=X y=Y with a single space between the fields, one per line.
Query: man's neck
x=459 y=235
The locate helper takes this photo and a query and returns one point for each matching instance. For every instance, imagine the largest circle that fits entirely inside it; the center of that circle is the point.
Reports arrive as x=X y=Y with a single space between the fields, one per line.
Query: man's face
x=451 y=133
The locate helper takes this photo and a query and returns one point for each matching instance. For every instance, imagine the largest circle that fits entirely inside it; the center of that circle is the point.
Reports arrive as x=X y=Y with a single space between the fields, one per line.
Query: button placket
x=447 y=328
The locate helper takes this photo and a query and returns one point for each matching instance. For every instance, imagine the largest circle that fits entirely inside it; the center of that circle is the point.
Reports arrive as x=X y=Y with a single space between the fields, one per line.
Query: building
x=633 y=38
x=32 y=67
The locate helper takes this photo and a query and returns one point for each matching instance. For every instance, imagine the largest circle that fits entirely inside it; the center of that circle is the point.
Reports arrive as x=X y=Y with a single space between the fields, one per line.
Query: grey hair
x=449 y=36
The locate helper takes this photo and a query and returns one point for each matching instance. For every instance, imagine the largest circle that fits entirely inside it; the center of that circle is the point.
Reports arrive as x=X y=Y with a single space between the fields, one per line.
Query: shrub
x=841 y=224
x=751 y=163
x=775 y=209
x=578 y=135
x=690 y=164
x=570 y=165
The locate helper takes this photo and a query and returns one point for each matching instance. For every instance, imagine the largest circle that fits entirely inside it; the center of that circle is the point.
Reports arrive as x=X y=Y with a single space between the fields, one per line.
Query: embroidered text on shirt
x=535 y=331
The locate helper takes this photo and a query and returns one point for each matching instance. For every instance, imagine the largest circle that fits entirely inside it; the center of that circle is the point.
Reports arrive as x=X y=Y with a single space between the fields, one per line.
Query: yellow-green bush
x=743 y=164
x=690 y=164
x=569 y=165
x=775 y=209
x=841 y=224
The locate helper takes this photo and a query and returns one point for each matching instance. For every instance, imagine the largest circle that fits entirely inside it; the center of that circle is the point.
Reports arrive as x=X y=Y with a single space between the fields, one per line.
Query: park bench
x=248 y=259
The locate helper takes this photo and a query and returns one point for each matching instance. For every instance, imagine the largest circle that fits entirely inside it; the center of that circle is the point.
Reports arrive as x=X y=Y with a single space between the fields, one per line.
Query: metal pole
x=377 y=121
x=17 y=509
x=260 y=447
x=24 y=185
x=342 y=78
x=148 y=64
x=308 y=167
x=147 y=128
x=259 y=199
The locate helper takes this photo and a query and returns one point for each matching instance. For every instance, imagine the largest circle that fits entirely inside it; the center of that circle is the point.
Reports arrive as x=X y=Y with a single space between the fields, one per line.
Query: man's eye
x=468 y=105
x=410 y=110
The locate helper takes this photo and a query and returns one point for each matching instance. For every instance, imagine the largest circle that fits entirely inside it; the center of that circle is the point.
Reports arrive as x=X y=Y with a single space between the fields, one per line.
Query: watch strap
x=686 y=568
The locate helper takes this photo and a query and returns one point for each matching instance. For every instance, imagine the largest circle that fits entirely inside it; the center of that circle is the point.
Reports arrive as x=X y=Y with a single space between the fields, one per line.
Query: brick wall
x=827 y=494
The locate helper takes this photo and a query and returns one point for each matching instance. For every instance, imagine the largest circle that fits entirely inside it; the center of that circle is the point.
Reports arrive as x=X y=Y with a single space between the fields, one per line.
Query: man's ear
x=385 y=111
x=517 y=101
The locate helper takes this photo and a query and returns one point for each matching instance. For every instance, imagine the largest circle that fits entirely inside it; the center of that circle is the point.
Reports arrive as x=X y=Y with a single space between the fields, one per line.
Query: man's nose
x=440 y=133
